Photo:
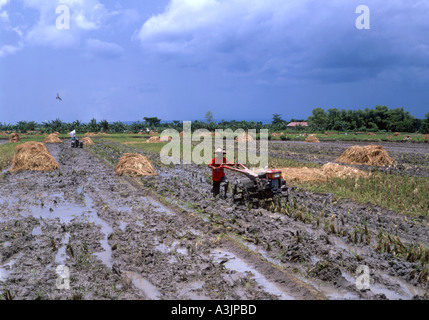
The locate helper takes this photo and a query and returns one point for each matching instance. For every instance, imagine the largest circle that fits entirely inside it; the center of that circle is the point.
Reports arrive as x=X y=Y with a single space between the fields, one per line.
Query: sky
x=240 y=59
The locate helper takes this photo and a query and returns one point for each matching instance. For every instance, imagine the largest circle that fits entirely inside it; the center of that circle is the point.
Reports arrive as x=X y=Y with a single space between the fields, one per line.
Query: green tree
x=209 y=117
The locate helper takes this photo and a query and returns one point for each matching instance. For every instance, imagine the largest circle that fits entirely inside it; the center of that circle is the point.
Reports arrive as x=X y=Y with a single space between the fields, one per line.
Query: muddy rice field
x=165 y=237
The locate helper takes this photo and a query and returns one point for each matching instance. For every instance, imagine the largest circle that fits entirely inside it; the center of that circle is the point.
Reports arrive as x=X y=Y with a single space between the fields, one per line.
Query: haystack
x=3 y=134
x=87 y=141
x=134 y=165
x=396 y=134
x=141 y=133
x=312 y=139
x=103 y=134
x=90 y=134
x=52 y=138
x=14 y=137
x=372 y=155
x=165 y=139
x=33 y=156
x=275 y=134
x=56 y=133
x=371 y=134
x=426 y=137
x=329 y=170
x=326 y=133
x=130 y=132
x=153 y=133
x=244 y=137
x=153 y=140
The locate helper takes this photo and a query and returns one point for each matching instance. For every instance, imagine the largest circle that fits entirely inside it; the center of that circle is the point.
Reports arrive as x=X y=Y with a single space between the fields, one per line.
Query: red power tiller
x=265 y=185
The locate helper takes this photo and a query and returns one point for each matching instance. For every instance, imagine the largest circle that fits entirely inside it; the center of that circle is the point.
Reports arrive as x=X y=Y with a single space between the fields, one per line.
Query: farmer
x=73 y=134
x=219 y=178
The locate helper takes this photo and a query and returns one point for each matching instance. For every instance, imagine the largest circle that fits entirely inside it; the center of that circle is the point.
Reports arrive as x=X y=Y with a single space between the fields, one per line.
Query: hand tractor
x=266 y=185
x=76 y=143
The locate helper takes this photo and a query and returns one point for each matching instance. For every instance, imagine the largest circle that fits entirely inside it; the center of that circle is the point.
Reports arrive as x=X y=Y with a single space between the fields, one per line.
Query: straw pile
x=33 y=156
x=52 y=138
x=275 y=134
x=329 y=170
x=244 y=137
x=396 y=134
x=371 y=134
x=372 y=155
x=56 y=133
x=326 y=133
x=130 y=132
x=153 y=140
x=134 y=165
x=103 y=134
x=165 y=139
x=153 y=133
x=426 y=137
x=14 y=137
x=90 y=134
x=87 y=141
x=389 y=137
x=140 y=133
x=312 y=139
x=3 y=134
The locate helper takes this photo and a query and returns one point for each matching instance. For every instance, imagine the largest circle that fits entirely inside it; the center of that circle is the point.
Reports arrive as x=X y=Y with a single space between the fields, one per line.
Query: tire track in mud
x=117 y=242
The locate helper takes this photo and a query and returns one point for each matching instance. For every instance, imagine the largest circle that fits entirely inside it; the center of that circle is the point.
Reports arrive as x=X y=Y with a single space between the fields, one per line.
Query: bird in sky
x=58 y=97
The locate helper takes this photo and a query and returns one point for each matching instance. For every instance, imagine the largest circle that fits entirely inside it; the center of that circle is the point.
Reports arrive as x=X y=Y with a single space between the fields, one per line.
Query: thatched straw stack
x=153 y=140
x=244 y=137
x=371 y=134
x=312 y=139
x=396 y=134
x=329 y=170
x=33 y=156
x=87 y=141
x=370 y=155
x=153 y=133
x=134 y=165
x=14 y=137
x=90 y=134
x=426 y=137
x=52 y=138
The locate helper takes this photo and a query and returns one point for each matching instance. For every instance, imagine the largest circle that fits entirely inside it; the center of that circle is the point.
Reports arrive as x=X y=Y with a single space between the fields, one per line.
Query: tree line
x=379 y=119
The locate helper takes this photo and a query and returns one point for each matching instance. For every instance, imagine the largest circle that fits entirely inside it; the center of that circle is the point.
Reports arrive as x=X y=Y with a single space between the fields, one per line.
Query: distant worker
x=73 y=134
x=219 y=178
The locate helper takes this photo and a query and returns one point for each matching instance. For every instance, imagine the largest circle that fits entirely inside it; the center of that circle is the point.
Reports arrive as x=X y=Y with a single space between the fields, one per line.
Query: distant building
x=293 y=125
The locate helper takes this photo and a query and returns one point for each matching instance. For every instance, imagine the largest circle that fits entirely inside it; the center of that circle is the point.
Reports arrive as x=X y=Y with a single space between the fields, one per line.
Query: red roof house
x=297 y=124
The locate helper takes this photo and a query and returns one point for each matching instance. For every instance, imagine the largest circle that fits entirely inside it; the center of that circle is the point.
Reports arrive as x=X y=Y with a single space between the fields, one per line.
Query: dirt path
x=119 y=243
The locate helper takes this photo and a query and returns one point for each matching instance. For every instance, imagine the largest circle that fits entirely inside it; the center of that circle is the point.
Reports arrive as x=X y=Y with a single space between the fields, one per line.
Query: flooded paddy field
x=165 y=237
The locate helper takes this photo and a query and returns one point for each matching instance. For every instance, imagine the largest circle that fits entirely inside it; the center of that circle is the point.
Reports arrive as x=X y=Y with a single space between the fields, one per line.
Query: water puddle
x=67 y=212
x=238 y=265
x=37 y=231
x=61 y=256
x=404 y=291
x=149 y=290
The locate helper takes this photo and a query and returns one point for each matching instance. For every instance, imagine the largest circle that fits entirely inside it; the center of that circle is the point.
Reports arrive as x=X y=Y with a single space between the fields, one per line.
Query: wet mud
x=165 y=237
